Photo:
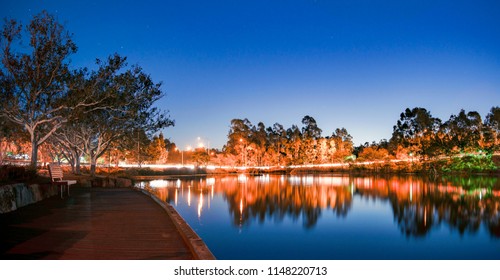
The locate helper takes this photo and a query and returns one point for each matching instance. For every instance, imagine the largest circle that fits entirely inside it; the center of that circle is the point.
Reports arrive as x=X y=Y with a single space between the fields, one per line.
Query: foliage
x=415 y=130
x=258 y=145
x=471 y=163
x=11 y=173
x=157 y=150
x=33 y=85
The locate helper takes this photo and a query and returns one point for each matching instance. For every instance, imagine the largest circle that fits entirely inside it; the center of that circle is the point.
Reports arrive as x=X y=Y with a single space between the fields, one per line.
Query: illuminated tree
x=343 y=144
x=464 y=131
x=491 y=130
x=415 y=130
x=157 y=150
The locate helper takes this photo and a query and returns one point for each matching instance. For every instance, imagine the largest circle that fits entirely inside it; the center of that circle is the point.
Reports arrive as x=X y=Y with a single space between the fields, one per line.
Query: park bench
x=56 y=175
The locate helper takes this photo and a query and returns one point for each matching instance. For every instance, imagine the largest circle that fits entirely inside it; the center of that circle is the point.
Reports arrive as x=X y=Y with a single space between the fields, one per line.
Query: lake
x=333 y=217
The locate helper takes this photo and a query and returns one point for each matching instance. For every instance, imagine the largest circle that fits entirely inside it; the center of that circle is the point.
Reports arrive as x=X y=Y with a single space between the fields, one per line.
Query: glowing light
x=242 y=178
x=176 y=196
x=200 y=204
x=189 y=197
x=158 y=184
x=411 y=191
x=210 y=181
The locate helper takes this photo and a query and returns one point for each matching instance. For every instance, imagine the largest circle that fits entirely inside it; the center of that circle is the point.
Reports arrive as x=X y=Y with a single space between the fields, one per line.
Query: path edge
x=192 y=240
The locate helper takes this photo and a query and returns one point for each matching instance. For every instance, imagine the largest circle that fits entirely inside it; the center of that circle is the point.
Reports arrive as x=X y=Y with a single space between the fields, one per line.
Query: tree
x=128 y=106
x=277 y=138
x=464 y=131
x=310 y=128
x=415 y=130
x=239 y=138
x=33 y=85
x=260 y=142
x=343 y=143
x=157 y=150
x=491 y=131
x=373 y=153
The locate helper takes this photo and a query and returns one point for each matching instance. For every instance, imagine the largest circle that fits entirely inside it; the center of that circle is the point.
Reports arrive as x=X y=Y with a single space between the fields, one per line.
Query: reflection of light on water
x=200 y=203
x=411 y=191
x=210 y=181
x=189 y=195
x=425 y=217
x=295 y=180
x=178 y=183
x=242 y=178
x=308 y=181
x=158 y=183
x=176 y=195
x=241 y=213
x=264 y=178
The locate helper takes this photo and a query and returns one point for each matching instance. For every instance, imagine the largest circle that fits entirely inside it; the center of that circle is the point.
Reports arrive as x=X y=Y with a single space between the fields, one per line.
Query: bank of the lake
x=464 y=165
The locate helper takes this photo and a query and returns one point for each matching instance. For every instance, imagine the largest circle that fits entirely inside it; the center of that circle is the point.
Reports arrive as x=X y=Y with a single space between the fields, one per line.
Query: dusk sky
x=350 y=63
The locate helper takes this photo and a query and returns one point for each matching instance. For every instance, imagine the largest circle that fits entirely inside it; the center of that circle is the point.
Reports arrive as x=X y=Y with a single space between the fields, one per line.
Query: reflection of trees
x=432 y=203
x=418 y=205
x=414 y=219
x=276 y=199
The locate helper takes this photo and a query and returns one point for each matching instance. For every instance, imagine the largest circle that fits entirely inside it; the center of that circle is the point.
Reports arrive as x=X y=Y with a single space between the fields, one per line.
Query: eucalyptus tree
x=127 y=107
x=294 y=145
x=239 y=138
x=157 y=150
x=33 y=84
x=276 y=137
x=259 y=142
x=73 y=137
x=344 y=145
x=464 y=131
x=311 y=133
x=491 y=131
x=415 y=130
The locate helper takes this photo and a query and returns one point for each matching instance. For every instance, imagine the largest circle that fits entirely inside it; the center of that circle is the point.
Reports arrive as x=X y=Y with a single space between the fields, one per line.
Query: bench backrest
x=56 y=173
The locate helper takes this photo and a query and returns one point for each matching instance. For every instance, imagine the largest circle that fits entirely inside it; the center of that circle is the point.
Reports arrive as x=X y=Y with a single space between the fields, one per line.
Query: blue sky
x=351 y=63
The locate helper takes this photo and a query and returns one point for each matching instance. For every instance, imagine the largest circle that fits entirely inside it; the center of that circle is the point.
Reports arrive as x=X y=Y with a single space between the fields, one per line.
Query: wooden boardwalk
x=92 y=224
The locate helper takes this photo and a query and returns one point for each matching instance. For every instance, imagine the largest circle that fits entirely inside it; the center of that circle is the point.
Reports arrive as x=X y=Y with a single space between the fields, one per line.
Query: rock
x=7 y=199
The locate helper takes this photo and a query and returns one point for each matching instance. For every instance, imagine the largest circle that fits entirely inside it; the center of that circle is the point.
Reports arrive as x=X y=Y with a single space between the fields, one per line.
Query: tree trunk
x=34 y=153
x=93 y=164
x=92 y=169
x=77 y=164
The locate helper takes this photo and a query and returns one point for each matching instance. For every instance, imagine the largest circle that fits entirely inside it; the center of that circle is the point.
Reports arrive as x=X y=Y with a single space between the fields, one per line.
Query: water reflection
x=418 y=205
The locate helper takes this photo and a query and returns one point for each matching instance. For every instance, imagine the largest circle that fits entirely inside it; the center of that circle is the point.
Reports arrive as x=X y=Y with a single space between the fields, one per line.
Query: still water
x=339 y=217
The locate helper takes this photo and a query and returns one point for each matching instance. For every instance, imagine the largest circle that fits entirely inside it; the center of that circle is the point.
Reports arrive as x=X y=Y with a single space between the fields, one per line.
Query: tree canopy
x=80 y=111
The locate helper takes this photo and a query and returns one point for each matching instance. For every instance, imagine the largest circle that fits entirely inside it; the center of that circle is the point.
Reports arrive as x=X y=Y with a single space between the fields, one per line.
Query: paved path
x=94 y=223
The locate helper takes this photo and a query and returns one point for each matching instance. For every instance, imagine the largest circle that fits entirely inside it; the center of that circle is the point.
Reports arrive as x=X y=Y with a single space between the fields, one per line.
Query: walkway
x=94 y=223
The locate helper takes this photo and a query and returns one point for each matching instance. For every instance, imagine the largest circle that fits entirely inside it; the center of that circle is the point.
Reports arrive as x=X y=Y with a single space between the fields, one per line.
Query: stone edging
x=194 y=242
x=15 y=196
